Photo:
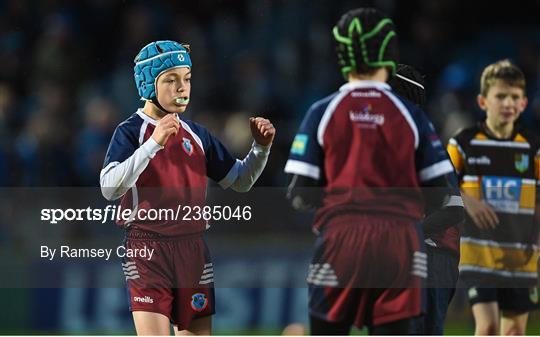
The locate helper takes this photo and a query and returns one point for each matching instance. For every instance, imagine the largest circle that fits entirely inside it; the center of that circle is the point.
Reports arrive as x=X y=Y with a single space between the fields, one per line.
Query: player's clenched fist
x=167 y=126
x=262 y=130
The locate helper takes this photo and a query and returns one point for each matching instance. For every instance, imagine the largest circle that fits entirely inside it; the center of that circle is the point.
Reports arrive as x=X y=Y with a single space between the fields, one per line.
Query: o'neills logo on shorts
x=145 y=299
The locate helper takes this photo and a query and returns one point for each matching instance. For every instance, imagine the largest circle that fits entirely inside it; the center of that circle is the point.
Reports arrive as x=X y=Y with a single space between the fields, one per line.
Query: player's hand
x=262 y=130
x=166 y=127
x=482 y=214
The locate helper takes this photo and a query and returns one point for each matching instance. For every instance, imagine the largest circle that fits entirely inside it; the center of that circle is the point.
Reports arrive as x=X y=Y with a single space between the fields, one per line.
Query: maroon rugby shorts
x=368 y=271
x=177 y=281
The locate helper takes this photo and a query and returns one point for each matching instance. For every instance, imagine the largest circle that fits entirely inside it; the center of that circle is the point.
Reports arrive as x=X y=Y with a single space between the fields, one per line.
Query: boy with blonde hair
x=498 y=167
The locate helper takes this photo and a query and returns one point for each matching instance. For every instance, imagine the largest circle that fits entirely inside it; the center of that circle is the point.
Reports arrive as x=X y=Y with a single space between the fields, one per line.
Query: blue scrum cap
x=153 y=60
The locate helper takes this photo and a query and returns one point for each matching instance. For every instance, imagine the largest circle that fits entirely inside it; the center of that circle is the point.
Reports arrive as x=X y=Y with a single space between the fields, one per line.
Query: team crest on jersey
x=521 y=162
x=187 y=146
x=199 y=302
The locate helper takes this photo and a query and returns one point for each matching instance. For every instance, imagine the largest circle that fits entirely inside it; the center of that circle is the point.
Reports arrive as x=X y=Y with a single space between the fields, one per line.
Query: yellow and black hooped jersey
x=505 y=174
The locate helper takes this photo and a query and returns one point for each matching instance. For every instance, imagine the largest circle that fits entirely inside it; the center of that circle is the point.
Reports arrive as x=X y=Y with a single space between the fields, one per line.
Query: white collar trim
x=364 y=84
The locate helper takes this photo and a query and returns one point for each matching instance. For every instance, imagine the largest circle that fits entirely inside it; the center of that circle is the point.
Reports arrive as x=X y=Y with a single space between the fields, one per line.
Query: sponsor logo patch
x=503 y=193
x=435 y=141
x=145 y=299
x=366 y=116
x=369 y=94
x=299 y=144
x=484 y=160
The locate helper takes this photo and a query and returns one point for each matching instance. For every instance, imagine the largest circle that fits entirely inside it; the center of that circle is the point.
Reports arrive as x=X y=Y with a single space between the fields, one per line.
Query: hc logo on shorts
x=199 y=302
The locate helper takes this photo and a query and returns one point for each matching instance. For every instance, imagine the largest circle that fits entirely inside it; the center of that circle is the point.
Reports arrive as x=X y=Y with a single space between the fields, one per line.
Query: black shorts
x=442 y=278
x=513 y=299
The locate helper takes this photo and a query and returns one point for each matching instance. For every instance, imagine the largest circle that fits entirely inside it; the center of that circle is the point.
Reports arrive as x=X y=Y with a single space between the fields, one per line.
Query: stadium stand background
x=66 y=80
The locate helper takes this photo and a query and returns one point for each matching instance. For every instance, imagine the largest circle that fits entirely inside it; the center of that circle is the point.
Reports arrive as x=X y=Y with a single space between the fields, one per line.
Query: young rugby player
x=442 y=247
x=159 y=160
x=498 y=166
x=370 y=151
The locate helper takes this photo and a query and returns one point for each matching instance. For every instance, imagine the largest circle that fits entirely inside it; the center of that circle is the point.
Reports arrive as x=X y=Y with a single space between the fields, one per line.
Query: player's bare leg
x=295 y=329
x=514 y=323
x=151 y=323
x=199 y=326
x=486 y=318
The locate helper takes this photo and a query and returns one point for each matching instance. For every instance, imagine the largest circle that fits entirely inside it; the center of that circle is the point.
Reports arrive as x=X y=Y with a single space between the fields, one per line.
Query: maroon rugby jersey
x=371 y=149
x=176 y=176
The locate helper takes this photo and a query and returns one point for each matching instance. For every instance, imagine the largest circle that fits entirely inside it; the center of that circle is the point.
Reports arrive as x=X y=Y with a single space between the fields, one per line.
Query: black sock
x=320 y=327
x=394 y=328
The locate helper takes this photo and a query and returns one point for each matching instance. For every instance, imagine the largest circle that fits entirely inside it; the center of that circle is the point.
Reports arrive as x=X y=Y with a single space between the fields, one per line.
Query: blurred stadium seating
x=66 y=81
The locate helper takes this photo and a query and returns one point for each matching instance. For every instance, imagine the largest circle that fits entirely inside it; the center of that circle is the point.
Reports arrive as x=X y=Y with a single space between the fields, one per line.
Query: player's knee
x=487 y=329
x=514 y=331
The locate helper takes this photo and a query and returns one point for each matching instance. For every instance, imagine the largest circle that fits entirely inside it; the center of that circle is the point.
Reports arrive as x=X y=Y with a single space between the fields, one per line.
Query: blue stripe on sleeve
x=124 y=141
x=432 y=160
x=219 y=160
x=306 y=156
